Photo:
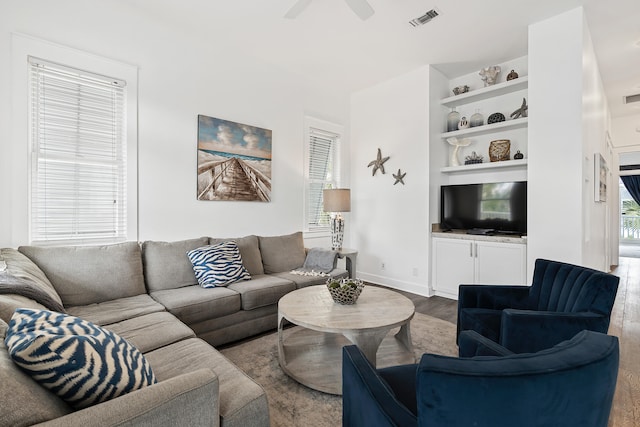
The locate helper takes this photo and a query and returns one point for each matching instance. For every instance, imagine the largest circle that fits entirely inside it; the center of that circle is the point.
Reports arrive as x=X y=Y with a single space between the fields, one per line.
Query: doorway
x=629 y=224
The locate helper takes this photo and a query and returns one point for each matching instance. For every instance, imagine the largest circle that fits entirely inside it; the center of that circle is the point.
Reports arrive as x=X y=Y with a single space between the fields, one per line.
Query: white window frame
x=22 y=48
x=330 y=130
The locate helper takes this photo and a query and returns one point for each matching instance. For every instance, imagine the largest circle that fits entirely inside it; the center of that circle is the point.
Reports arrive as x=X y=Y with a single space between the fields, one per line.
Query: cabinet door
x=453 y=264
x=500 y=263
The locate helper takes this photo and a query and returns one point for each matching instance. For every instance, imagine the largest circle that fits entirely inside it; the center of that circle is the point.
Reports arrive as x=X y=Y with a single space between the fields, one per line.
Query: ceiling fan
x=362 y=8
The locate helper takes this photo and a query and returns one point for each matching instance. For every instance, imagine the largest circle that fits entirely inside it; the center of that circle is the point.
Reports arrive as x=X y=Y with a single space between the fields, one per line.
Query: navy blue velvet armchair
x=563 y=300
x=570 y=384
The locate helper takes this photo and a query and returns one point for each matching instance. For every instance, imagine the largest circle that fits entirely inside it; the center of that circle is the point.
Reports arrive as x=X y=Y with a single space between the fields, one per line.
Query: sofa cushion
x=19 y=266
x=9 y=303
x=17 y=388
x=194 y=304
x=241 y=399
x=249 y=251
x=77 y=360
x=117 y=310
x=262 y=290
x=282 y=253
x=90 y=274
x=218 y=265
x=304 y=281
x=152 y=331
x=166 y=265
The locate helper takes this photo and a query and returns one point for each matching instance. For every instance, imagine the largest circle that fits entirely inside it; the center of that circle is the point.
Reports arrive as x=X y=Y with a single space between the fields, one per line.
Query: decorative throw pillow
x=218 y=265
x=75 y=359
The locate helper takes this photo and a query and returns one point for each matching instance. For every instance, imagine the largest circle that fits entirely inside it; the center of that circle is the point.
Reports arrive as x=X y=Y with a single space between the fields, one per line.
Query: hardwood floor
x=625 y=324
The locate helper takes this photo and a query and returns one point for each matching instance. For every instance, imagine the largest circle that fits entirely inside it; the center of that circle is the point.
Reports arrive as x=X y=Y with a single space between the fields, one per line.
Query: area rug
x=293 y=404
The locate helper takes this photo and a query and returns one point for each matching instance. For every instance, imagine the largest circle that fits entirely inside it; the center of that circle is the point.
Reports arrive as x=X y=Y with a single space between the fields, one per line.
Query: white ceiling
x=332 y=47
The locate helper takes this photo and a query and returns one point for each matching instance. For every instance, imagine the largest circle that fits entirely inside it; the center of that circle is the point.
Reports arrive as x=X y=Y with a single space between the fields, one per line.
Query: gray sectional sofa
x=148 y=294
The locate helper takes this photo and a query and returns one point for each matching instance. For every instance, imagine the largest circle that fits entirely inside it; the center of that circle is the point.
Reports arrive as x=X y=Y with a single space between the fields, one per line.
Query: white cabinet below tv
x=466 y=259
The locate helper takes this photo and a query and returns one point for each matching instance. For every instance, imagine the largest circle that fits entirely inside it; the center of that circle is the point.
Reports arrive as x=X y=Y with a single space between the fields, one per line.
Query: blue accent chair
x=570 y=384
x=563 y=300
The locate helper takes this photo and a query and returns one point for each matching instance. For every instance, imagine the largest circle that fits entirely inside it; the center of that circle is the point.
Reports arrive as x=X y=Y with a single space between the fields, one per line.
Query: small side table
x=350 y=256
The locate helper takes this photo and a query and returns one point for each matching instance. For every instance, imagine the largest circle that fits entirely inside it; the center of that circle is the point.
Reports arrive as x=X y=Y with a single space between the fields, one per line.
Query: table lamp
x=336 y=201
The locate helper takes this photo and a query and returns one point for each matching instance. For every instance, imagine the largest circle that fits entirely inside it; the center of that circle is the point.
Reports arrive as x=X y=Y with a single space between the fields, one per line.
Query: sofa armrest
x=367 y=400
x=527 y=331
x=471 y=344
x=190 y=399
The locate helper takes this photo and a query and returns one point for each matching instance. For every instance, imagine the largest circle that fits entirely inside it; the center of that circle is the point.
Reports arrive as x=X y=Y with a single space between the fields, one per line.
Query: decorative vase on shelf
x=452 y=120
x=518 y=155
x=477 y=119
x=499 y=150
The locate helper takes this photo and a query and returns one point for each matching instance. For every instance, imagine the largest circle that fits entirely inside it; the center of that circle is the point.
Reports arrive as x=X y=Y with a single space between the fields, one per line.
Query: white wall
x=625 y=133
x=180 y=76
x=390 y=223
x=567 y=125
x=600 y=239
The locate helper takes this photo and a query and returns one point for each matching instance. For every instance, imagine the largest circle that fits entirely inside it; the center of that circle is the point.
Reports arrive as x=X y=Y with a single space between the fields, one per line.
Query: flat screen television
x=497 y=206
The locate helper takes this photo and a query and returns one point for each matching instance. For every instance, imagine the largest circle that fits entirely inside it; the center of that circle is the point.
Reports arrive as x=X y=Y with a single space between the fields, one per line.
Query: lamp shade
x=336 y=200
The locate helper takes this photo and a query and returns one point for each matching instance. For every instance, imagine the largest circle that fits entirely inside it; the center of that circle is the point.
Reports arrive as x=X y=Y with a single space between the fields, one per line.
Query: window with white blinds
x=323 y=171
x=78 y=154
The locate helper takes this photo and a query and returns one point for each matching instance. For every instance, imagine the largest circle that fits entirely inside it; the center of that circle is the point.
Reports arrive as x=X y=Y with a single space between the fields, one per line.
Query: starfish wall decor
x=378 y=163
x=399 y=177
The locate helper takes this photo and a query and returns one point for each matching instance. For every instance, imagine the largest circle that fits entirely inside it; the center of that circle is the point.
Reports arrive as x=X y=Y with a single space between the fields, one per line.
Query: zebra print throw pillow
x=218 y=265
x=75 y=359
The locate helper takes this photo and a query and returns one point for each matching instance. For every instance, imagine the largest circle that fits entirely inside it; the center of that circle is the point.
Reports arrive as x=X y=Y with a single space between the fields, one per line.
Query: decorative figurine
x=512 y=75
x=473 y=159
x=522 y=111
x=463 y=123
x=495 y=118
x=518 y=155
x=378 y=163
x=489 y=75
x=399 y=177
x=457 y=143
x=460 y=89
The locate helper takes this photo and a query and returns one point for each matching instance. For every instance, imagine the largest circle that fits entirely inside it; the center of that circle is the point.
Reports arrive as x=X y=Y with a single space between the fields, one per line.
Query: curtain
x=632 y=183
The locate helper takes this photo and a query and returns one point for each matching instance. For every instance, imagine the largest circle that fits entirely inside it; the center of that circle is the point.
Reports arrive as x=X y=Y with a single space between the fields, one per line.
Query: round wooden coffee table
x=312 y=355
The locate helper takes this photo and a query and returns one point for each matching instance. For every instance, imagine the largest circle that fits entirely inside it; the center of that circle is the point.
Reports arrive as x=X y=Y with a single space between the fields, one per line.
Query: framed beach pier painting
x=234 y=161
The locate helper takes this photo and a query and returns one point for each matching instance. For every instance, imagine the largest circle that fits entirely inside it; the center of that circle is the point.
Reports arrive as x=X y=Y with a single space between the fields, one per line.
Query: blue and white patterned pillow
x=218 y=265
x=75 y=359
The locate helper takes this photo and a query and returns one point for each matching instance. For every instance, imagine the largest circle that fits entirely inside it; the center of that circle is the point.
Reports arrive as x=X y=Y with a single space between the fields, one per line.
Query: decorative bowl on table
x=345 y=291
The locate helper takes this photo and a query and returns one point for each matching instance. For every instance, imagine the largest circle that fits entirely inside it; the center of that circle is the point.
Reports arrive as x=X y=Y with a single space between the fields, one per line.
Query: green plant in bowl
x=345 y=291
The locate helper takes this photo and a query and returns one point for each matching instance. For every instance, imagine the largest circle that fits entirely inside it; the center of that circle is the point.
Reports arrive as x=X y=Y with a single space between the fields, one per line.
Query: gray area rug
x=292 y=404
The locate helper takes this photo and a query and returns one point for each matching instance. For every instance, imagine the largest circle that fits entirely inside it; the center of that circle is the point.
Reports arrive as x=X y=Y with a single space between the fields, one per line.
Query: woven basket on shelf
x=345 y=291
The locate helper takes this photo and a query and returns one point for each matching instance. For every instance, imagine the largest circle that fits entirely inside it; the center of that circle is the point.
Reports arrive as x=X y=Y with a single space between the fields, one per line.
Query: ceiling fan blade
x=297 y=9
x=362 y=8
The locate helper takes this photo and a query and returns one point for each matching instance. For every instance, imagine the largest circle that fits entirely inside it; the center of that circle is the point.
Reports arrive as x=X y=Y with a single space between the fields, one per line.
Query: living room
x=201 y=61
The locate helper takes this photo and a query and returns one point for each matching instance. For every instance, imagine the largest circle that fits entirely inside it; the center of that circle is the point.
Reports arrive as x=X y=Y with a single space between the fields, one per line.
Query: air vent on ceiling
x=631 y=99
x=421 y=20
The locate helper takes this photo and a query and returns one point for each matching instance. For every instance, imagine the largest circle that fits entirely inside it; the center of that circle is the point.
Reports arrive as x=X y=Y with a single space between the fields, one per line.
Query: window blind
x=322 y=173
x=78 y=147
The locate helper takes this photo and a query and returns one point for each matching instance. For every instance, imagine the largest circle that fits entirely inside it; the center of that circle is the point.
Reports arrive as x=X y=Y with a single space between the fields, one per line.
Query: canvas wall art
x=601 y=172
x=234 y=161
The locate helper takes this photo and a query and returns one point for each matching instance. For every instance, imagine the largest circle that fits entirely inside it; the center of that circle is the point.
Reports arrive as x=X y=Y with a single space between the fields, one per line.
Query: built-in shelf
x=513 y=164
x=479 y=130
x=487 y=92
